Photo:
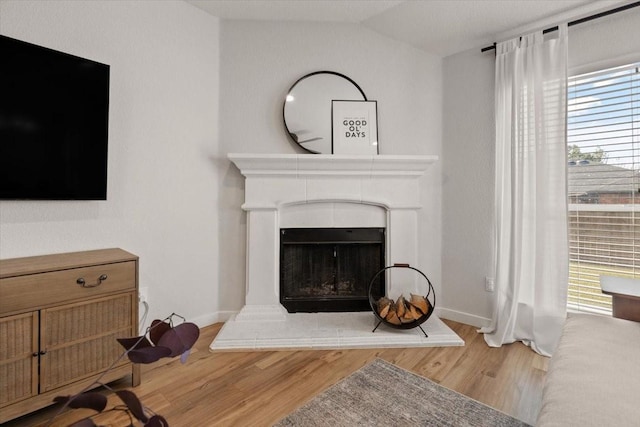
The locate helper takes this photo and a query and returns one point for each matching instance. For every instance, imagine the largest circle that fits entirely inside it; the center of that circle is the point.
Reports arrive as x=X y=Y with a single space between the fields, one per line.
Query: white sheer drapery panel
x=531 y=244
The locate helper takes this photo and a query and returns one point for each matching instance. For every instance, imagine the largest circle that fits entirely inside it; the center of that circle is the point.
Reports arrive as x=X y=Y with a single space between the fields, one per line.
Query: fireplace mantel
x=331 y=165
x=277 y=180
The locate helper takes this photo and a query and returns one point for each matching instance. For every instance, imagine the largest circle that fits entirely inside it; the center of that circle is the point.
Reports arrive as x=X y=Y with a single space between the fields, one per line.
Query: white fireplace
x=324 y=191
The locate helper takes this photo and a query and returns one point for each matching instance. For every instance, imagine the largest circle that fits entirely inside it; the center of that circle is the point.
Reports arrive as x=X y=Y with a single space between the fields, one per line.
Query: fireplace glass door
x=329 y=269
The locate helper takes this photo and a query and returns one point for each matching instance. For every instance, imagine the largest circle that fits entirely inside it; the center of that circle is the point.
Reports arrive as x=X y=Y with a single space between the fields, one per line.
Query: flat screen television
x=54 y=119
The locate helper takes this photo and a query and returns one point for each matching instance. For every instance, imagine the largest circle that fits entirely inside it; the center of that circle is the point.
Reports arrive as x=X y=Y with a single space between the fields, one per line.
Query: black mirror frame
x=284 y=104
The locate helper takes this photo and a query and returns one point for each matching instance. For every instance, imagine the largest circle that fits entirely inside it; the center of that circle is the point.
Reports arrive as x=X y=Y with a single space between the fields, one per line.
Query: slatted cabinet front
x=60 y=316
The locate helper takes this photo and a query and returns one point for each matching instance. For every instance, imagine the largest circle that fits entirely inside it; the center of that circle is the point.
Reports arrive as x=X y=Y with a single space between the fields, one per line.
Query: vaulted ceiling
x=440 y=27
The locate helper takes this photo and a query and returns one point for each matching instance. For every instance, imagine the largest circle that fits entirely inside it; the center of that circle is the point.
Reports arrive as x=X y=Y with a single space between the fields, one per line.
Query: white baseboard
x=461 y=317
x=215 y=317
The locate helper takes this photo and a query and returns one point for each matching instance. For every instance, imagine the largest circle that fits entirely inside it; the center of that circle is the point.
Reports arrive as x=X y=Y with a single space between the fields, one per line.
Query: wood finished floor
x=259 y=388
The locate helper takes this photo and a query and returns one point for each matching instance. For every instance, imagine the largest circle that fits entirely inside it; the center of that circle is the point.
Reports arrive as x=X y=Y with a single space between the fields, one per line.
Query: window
x=603 y=146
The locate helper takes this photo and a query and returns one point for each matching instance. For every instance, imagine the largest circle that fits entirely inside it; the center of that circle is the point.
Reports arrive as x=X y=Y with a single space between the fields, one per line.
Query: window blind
x=603 y=149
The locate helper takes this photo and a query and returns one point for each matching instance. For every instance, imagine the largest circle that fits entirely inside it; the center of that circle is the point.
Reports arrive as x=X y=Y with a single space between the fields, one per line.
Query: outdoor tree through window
x=603 y=153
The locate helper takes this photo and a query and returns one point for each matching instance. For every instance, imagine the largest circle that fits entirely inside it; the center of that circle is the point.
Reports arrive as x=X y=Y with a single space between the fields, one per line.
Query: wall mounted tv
x=54 y=119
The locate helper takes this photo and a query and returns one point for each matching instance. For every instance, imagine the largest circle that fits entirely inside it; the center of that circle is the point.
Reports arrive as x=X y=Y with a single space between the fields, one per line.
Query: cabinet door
x=18 y=357
x=79 y=340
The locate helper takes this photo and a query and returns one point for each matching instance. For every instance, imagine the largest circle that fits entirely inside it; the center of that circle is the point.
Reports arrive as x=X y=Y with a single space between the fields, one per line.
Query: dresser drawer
x=45 y=289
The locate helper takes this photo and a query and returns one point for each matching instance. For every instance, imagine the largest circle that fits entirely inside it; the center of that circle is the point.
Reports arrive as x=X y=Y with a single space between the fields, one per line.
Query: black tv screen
x=54 y=119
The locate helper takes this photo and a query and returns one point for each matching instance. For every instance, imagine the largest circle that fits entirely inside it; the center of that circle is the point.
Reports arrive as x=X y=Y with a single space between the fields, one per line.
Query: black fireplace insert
x=329 y=269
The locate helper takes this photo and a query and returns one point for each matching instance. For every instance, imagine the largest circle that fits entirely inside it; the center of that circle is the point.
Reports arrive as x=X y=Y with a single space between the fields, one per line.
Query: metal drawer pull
x=84 y=284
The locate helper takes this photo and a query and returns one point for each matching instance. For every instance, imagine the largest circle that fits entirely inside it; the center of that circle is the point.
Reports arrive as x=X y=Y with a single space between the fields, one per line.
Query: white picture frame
x=354 y=127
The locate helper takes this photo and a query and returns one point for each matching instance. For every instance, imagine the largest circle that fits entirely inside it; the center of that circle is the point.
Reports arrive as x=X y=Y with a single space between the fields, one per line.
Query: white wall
x=605 y=42
x=467 y=184
x=468 y=150
x=261 y=60
x=162 y=193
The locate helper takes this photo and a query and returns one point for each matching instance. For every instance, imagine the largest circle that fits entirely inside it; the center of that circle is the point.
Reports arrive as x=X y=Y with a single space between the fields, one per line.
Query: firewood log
x=420 y=303
x=401 y=307
x=414 y=312
x=392 y=316
x=408 y=316
x=384 y=304
x=429 y=306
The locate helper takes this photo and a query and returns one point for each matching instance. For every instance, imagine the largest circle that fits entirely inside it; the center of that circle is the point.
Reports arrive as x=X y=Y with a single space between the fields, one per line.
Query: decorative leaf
x=188 y=333
x=180 y=338
x=133 y=403
x=171 y=340
x=157 y=330
x=157 y=421
x=95 y=401
x=135 y=342
x=87 y=422
x=148 y=354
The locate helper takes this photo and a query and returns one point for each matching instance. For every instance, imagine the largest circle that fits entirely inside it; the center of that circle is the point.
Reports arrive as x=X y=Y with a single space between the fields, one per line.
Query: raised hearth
x=324 y=331
x=322 y=191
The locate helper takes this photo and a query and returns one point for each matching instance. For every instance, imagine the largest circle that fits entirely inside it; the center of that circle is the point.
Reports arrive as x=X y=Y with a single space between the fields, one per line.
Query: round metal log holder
x=430 y=297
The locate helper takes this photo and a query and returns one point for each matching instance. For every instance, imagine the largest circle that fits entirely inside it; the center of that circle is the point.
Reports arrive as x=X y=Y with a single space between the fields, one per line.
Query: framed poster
x=354 y=127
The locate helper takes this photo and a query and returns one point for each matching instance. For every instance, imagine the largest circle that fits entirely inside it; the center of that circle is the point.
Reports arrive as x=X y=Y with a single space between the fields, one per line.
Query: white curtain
x=531 y=246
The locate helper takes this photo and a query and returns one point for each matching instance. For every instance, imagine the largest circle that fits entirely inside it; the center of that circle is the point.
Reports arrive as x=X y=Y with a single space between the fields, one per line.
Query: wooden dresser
x=60 y=316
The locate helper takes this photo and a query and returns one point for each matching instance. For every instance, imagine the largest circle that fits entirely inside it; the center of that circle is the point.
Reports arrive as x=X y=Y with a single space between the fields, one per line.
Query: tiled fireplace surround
x=305 y=190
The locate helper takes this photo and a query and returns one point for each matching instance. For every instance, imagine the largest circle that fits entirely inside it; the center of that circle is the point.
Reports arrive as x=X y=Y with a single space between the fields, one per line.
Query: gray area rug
x=381 y=394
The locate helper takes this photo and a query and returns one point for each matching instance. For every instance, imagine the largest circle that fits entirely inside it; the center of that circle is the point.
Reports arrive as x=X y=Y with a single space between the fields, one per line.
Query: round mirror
x=307 y=108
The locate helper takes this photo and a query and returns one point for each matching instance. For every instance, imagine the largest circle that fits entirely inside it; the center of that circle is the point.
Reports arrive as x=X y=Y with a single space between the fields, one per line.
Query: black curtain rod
x=581 y=20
